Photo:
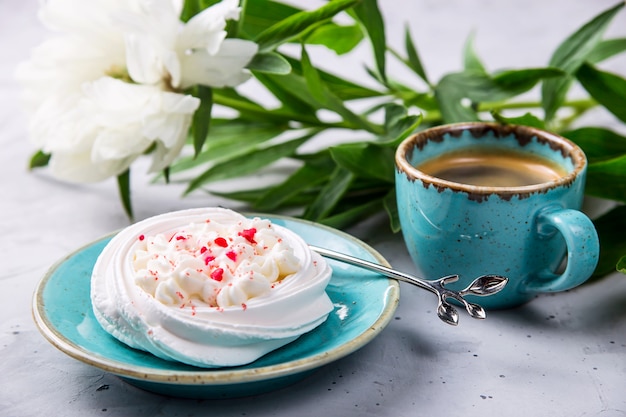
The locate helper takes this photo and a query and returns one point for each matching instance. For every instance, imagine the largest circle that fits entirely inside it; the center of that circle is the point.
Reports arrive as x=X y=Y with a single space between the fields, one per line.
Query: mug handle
x=583 y=250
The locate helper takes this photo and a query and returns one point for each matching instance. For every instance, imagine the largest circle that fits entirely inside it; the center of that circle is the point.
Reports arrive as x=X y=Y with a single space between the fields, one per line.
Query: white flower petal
x=118 y=144
x=143 y=59
x=206 y=29
x=77 y=167
x=179 y=103
x=224 y=69
x=150 y=34
x=59 y=126
x=86 y=19
x=162 y=157
x=172 y=66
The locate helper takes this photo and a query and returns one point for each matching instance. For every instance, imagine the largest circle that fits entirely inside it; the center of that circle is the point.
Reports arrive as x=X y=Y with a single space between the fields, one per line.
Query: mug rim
x=556 y=142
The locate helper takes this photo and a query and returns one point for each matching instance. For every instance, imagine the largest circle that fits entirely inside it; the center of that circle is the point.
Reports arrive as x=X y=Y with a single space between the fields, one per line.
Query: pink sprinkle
x=209 y=259
x=180 y=295
x=244 y=306
x=232 y=256
x=248 y=234
x=217 y=274
x=220 y=241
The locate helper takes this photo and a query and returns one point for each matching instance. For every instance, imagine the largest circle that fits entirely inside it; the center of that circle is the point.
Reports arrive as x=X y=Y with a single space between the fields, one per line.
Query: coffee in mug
x=492 y=167
x=488 y=198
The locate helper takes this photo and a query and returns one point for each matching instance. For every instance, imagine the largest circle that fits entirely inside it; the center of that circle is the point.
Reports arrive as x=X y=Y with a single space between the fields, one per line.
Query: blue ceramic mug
x=522 y=231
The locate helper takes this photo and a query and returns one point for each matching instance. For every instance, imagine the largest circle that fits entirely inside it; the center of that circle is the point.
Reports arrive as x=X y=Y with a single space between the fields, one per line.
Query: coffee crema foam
x=492 y=167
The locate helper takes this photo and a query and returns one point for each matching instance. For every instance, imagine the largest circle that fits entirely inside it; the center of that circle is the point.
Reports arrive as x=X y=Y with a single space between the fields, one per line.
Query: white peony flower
x=109 y=86
x=185 y=54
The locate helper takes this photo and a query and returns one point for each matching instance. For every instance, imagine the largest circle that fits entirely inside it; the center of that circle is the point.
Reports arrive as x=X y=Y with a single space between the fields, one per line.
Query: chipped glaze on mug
x=522 y=232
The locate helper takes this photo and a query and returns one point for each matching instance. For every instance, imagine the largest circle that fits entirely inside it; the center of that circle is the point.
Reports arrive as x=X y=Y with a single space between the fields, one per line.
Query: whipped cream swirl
x=209 y=287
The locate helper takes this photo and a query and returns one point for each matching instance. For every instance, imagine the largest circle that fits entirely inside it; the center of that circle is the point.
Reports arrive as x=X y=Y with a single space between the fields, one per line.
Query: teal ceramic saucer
x=364 y=304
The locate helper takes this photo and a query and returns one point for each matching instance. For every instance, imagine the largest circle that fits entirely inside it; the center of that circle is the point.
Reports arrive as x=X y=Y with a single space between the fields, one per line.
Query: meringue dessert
x=209 y=287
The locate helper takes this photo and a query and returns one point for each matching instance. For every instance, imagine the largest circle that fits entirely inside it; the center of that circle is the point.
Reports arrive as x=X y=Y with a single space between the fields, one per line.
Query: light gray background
x=561 y=355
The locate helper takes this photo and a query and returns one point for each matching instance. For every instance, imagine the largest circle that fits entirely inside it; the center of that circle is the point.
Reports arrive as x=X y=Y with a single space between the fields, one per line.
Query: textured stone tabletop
x=559 y=355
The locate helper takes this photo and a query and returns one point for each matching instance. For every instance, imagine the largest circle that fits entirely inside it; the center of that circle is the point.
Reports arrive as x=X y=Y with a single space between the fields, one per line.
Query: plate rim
x=216 y=376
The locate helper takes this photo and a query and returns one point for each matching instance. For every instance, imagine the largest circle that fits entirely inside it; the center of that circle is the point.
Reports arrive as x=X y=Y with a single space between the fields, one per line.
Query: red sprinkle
x=217 y=274
x=181 y=238
x=180 y=295
x=208 y=259
x=244 y=306
x=232 y=256
x=220 y=241
x=248 y=234
x=141 y=237
x=203 y=249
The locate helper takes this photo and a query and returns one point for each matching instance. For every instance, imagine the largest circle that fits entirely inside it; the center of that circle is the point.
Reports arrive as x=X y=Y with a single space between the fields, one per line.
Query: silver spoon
x=481 y=286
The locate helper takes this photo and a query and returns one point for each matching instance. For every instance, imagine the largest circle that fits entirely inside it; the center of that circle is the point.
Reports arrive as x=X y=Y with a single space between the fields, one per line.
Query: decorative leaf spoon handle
x=482 y=286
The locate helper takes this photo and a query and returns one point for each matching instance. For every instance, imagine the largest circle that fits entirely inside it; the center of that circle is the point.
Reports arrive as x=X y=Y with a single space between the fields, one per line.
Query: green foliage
x=569 y=57
x=339 y=183
x=123 y=185
x=610 y=229
x=38 y=160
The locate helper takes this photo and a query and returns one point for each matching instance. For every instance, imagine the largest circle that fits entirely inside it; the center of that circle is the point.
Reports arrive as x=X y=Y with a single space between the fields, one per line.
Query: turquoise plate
x=364 y=304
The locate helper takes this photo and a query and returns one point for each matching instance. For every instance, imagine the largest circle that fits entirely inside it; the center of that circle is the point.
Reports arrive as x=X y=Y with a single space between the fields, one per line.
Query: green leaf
x=610 y=227
x=599 y=144
x=344 y=90
x=193 y=7
x=471 y=61
x=38 y=160
x=313 y=80
x=391 y=207
x=326 y=99
x=514 y=82
x=347 y=218
x=413 y=60
x=452 y=92
x=398 y=124
x=293 y=99
x=229 y=139
x=570 y=55
x=123 y=186
x=270 y=62
x=340 y=39
x=455 y=87
x=607 y=179
x=410 y=97
x=313 y=173
x=202 y=116
x=190 y=9
x=606 y=49
x=295 y=24
x=366 y=160
x=261 y=14
x=370 y=17
x=606 y=88
x=329 y=195
x=247 y=163
x=527 y=119
x=621 y=265
x=253 y=111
